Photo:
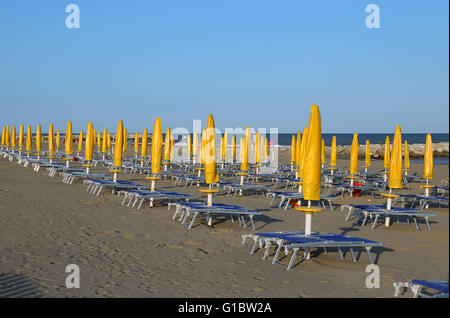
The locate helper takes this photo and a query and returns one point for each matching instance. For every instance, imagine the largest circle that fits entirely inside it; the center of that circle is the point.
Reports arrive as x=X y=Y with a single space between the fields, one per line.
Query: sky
x=259 y=63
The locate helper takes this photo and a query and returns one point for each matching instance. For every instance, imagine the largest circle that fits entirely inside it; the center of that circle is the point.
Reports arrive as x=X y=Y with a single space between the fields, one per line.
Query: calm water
x=346 y=139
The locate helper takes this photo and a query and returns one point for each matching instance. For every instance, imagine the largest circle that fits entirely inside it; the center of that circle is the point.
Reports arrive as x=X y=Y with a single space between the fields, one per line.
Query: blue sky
x=250 y=62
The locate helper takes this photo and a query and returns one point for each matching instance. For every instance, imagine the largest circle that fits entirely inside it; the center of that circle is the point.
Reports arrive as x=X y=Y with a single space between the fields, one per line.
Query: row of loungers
x=295 y=241
x=184 y=210
x=375 y=212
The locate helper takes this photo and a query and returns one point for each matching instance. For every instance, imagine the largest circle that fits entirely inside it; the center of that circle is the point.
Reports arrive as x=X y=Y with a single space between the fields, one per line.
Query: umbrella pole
x=388 y=207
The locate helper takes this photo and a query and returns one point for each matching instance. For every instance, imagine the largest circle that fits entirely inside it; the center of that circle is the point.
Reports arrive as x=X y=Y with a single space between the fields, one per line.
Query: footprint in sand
x=257 y=289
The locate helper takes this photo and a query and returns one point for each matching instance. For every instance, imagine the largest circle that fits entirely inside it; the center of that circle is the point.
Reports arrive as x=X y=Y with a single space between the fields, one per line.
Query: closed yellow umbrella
x=51 y=143
x=172 y=141
x=311 y=172
x=21 y=135
x=89 y=144
x=267 y=148
x=38 y=140
x=105 y=142
x=367 y=155
x=189 y=146
x=195 y=144
x=395 y=170
x=298 y=147
x=68 y=142
x=387 y=153
x=222 y=149
x=29 y=140
x=333 y=153
x=13 y=137
x=157 y=146
x=262 y=145
x=58 y=139
x=202 y=146
x=354 y=149
x=245 y=146
x=144 y=144
x=257 y=149
x=323 y=159
x=407 y=164
x=7 y=136
x=118 y=146
x=233 y=149
x=108 y=141
x=303 y=151
x=211 y=175
x=428 y=159
x=241 y=149
x=293 y=150
x=167 y=144
x=136 y=144
x=125 y=140
x=80 y=142
x=99 y=140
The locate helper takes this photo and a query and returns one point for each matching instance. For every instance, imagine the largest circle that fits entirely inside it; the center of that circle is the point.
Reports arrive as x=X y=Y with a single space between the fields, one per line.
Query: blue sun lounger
x=420 y=288
x=374 y=212
x=186 y=209
x=151 y=196
x=95 y=186
x=286 y=197
x=295 y=241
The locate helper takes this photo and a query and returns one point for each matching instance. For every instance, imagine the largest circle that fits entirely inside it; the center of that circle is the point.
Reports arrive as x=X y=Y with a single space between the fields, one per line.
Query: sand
x=124 y=252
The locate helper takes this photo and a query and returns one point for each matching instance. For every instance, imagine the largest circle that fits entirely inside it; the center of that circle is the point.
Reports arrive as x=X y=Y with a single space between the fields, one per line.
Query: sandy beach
x=124 y=252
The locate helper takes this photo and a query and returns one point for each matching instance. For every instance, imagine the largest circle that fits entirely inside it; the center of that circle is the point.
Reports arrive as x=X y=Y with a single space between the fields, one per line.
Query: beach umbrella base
x=389 y=197
x=309 y=211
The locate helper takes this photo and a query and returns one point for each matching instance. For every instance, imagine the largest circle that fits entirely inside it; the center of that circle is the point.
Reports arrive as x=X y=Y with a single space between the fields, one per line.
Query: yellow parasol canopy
x=311 y=172
x=257 y=148
x=302 y=151
x=167 y=145
x=233 y=148
x=297 y=148
x=387 y=153
x=367 y=153
x=136 y=143
x=118 y=146
x=58 y=139
x=354 y=149
x=323 y=152
x=105 y=141
x=80 y=141
x=189 y=145
x=13 y=137
x=395 y=170
x=144 y=143
x=68 y=142
x=428 y=158
x=407 y=164
x=333 y=152
x=89 y=144
x=195 y=144
x=29 y=139
x=38 y=139
x=51 y=141
x=244 y=147
x=157 y=146
x=21 y=137
x=211 y=175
